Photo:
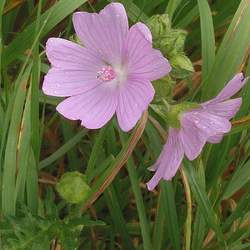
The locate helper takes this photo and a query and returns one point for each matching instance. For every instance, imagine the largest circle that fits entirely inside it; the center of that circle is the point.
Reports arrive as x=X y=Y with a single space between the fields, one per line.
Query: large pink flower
x=111 y=74
x=208 y=123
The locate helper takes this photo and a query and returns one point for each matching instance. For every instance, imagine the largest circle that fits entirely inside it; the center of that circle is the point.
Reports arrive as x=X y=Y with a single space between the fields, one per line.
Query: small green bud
x=182 y=66
x=73 y=187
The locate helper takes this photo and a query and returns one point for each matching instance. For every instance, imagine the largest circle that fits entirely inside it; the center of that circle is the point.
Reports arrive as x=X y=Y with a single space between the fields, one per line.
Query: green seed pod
x=73 y=187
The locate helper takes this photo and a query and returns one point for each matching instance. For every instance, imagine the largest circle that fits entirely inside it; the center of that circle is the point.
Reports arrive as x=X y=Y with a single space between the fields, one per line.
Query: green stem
x=188 y=224
x=95 y=151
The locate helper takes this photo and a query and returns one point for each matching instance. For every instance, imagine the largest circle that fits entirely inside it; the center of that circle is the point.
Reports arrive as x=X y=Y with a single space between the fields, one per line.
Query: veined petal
x=134 y=98
x=226 y=109
x=94 y=108
x=104 y=32
x=68 y=55
x=170 y=159
x=60 y=82
x=215 y=139
x=74 y=68
x=207 y=124
x=191 y=140
x=143 y=60
x=232 y=87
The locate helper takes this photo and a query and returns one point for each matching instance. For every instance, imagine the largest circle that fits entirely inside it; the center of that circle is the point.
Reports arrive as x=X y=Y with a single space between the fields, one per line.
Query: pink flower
x=208 y=123
x=111 y=74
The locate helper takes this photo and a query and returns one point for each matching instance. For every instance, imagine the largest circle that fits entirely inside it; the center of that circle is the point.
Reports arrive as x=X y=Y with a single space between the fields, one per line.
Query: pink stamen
x=106 y=74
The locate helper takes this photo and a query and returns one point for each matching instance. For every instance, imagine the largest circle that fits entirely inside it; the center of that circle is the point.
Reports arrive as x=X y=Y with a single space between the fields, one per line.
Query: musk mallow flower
x=111 y=73
x=192 y=125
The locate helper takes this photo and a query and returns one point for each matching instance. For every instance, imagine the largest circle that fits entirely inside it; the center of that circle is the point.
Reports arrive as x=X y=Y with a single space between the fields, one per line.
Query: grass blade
x=232 y=52
x=207 y=37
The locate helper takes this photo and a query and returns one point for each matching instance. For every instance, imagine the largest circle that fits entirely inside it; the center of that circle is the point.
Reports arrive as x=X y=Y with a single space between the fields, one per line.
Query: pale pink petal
x=170 y=159
x=226 y=109
x=134 y=98
x=60 y=82
x=74 y=68
x=94 y=108
x=215 y=139
x=104 y=32
x=143 y=60
x=208 y=124
x=144 y=30
x=68 y=55
x=232 y=87
x=191 y=139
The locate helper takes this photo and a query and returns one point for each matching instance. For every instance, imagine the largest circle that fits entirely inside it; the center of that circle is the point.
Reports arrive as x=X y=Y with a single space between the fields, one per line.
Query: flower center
x=106 y=74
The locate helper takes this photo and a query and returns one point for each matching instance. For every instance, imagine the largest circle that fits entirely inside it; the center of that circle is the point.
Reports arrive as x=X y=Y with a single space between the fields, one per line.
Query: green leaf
x=172 y=6
x=171 y=214
x=117 y=216
x=133 y=176
x=62 y=150
x=10 y=159
x=207 y=37
x=59 y=11
x=238 y=180
x=202 y=199
x=231 y=53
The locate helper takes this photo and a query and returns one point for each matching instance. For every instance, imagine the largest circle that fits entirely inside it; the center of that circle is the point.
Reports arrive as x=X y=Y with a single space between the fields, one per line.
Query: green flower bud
x=169 y=41
x=182 y=66
x=178 y=38
x=73 y=187
x=159 y=25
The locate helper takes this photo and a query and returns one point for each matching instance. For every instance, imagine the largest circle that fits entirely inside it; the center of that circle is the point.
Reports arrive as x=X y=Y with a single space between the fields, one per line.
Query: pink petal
x=215 y=139
x=104 y=32
x=226 y=109
x=144 y=30
x=94 y=108
x=207 y=124
x=143 y=60
x=170 y=159
x=232 y=87
x=191 y=140
x=68 y=55
x=59 y=82
x=74 y=68
x=134 y=98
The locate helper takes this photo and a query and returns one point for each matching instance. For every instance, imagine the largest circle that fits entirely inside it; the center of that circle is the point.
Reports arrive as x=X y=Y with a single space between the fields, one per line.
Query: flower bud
x=169 y=41
x=159 y=25
x=73 y=187
x=182 y=66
